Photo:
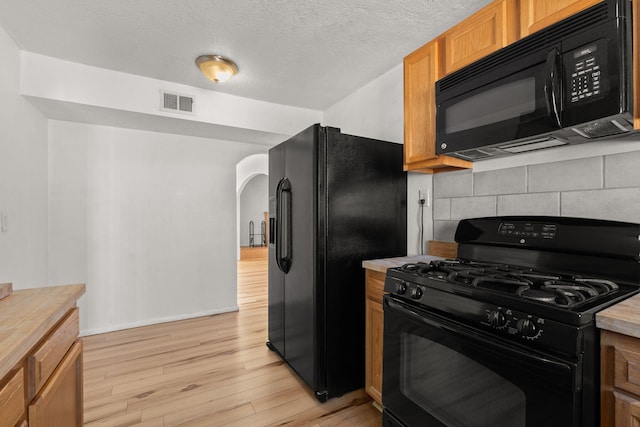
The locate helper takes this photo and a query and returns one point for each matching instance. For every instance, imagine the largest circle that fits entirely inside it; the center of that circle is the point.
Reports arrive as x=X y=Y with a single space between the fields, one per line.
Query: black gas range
x=516 y=313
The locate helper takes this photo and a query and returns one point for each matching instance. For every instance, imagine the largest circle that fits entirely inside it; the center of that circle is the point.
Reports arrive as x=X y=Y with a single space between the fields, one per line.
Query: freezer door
x=304 y=349
x=276 y=276
x=294 y=300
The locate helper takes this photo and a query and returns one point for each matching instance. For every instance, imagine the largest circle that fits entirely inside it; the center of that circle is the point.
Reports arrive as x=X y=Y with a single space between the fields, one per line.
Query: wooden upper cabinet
x=490 y=29
x=421 y=70
x=420 y=75
x=538 y=14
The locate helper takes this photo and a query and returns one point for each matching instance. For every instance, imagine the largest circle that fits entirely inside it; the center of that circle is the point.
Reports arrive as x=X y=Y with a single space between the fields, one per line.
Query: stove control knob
x=527 y=328
x=416 y=293
x=401 y=288
x=497 y=319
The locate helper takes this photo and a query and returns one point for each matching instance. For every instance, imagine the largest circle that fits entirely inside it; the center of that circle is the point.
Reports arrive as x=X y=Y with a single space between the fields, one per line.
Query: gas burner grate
x=553 y=289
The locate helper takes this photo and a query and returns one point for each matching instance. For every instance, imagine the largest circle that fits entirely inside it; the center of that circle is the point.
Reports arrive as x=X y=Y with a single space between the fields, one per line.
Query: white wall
x=146 y=219
x=119 y=96
x=377 y=111
x=254 y=202
x=23 y=178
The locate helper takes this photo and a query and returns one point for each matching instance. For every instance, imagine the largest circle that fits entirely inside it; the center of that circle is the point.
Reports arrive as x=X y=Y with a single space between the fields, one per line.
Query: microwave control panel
x=585 y=70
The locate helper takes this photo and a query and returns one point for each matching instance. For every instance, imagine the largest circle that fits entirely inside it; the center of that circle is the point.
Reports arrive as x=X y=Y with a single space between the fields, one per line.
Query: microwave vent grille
x=477 y=154
x=540 y=40
x=600 y=129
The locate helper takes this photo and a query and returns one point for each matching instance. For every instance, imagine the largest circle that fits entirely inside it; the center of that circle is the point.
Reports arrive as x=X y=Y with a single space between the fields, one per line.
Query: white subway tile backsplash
x=453 y=184
x=502 y=181
x=620 y=204
x=579 y=174
x=473 y=207
x=529 y=204
x=622 y=170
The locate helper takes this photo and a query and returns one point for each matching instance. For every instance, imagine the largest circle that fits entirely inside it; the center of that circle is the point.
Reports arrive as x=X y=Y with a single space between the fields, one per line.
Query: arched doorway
x=252 y=198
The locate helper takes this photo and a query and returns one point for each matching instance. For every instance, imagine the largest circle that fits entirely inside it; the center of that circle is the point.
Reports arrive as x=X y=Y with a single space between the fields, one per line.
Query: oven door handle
x=436 y=321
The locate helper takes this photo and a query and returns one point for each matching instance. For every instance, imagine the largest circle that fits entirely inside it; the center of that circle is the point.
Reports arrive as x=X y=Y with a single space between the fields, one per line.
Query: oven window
x=455 y=389
x=507 y=101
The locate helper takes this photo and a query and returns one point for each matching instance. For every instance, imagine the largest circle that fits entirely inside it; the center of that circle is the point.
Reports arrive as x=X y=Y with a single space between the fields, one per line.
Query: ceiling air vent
x=176 y=103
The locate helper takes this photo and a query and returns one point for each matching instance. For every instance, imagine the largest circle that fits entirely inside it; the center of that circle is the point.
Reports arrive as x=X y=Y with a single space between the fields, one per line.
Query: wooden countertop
x=27 y=315
x=623 y=318
x=381 y=265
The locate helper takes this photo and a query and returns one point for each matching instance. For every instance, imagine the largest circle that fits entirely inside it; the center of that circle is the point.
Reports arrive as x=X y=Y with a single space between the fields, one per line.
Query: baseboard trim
x=96 y=331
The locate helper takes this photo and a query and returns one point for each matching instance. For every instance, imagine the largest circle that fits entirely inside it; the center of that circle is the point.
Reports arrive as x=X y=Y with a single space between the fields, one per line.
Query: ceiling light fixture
x=216 y=68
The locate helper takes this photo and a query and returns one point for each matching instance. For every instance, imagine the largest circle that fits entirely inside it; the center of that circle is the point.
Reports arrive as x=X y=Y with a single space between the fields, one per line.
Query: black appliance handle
x=283 y=225
x=441 y=323
x=552 y=86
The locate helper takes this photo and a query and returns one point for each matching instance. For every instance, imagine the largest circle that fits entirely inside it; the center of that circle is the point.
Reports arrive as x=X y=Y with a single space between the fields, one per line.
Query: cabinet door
x=420 y=75
x=374 y=330
x=627 y=412
x=484 y=32
x=12 y=399
x=373 y=344
x=59 y=403
x=538 y=14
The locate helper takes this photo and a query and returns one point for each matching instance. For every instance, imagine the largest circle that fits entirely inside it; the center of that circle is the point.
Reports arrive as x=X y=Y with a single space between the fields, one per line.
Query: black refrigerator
x=334 y=201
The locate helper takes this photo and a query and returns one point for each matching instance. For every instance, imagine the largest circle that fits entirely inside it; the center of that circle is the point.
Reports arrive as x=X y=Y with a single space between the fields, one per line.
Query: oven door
x=441 y=373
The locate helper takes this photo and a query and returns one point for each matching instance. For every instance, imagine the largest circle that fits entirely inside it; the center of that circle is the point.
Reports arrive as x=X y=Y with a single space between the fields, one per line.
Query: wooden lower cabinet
x=620 y=380
x=12 y=399
x=627 y=411
x=40 y=346
x=374 y=332
x=59 y=403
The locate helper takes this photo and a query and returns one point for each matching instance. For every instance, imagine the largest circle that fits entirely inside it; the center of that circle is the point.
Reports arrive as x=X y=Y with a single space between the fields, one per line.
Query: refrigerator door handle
x=283 y=225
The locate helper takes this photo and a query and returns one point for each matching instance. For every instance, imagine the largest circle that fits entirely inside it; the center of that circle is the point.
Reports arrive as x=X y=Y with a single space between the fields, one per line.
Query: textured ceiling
x=306 y=53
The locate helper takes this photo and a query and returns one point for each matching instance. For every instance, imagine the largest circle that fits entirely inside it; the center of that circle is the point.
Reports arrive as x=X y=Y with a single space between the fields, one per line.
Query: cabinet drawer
x=627 y=370
x=12 y=402
x=43 y=361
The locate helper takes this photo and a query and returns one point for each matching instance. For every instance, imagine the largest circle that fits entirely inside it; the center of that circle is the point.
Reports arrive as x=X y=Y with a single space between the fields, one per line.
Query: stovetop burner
x=519 y=282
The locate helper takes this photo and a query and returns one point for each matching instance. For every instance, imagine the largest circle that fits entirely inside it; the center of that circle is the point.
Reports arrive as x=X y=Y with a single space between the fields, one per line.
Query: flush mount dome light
x=216 y=68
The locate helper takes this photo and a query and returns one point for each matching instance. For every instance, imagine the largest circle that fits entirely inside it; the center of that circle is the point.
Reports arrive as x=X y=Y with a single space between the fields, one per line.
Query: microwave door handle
x=552 y=87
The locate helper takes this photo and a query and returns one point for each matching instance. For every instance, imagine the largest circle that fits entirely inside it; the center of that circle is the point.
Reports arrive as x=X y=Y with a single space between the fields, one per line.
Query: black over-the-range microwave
x=567 y=84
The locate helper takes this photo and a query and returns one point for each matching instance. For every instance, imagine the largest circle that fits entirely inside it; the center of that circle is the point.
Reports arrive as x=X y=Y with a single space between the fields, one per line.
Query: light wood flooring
x=209 y=371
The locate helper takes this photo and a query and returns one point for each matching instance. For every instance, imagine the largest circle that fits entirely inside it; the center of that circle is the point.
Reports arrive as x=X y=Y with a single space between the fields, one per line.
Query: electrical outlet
x=426 y=195
x=4 y=226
